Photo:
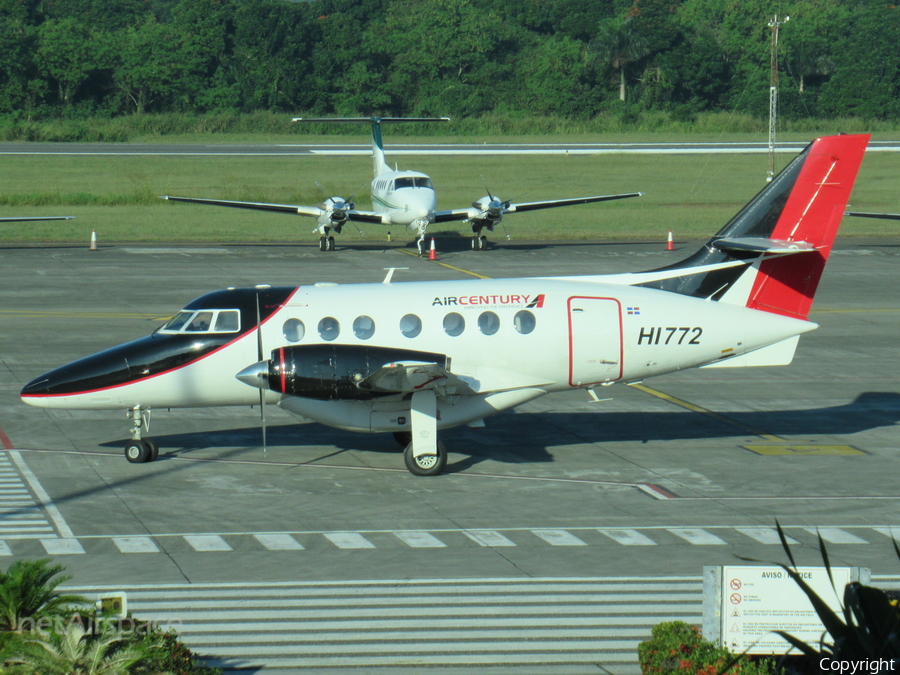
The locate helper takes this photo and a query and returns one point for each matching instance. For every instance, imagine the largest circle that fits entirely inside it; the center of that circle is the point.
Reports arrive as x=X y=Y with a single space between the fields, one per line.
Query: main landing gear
x=424 y=454
x=139 y=450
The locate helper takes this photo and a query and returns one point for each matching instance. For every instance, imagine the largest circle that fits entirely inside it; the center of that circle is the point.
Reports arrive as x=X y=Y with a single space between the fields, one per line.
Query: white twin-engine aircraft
x=405 y=198
x=413 y=358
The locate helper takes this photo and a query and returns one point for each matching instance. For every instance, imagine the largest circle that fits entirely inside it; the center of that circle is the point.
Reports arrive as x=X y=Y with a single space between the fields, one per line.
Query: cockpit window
x=200 y=323
x=204 y=321
x=424 y=183
x=403 y=183
x=177 y=322
x=228 y=321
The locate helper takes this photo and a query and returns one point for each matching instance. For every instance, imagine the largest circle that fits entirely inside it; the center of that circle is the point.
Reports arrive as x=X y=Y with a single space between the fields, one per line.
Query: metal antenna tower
x=774 y=24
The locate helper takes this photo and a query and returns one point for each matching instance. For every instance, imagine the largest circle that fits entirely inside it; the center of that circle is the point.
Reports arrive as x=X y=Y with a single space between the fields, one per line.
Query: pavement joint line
x=42 y=496
x=709 y=413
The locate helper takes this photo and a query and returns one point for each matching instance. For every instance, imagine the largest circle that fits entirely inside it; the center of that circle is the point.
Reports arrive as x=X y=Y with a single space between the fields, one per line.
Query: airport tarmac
x=634 y=493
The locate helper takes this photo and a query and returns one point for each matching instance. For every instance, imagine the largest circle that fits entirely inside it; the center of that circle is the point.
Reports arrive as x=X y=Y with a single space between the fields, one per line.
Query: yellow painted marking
x=709 y=413
x=449 y=267
x=803 y=450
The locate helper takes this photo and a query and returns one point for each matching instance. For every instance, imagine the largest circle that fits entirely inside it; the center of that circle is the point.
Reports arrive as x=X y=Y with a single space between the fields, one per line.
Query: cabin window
x=524 y=322
x=364 y=327
x=410 y=325
x=488 y=323
x=329 y=328
x=454 y=324
x=293 y=330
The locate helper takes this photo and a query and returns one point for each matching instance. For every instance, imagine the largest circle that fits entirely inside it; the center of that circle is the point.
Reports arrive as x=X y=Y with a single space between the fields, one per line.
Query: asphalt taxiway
x=559 y=511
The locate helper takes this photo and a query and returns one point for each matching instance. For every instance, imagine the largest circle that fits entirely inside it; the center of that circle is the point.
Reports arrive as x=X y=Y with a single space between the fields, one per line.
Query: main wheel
x=425 y=465
x=137 y=452
x=154 y=449
x=323 y=243
x=403 y=438
x=330 y=243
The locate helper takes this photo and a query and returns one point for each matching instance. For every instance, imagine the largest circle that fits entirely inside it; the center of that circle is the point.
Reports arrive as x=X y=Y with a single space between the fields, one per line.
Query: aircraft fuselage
x=542 y=335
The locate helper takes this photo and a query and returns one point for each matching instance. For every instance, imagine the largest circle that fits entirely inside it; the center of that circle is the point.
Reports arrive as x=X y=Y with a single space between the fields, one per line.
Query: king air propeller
x=490 y=212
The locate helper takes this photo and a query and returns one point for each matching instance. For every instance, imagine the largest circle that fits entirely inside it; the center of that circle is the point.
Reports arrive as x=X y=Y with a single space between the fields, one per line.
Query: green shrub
x=677 y=648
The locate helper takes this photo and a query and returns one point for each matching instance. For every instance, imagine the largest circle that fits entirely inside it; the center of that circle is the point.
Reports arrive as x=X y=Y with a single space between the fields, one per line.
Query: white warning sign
x=759 y=600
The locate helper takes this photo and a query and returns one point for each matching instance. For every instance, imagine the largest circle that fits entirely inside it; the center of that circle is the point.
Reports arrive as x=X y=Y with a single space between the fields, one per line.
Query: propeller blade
x=262 y=392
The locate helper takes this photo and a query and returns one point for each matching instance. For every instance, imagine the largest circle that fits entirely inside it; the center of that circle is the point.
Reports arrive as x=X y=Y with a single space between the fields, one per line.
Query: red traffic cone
x=93 y=241
x=432 y=254
x=670 y=245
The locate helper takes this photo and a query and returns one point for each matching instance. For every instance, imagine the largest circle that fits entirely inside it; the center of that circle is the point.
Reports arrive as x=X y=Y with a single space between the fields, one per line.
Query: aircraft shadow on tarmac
x=518 y=438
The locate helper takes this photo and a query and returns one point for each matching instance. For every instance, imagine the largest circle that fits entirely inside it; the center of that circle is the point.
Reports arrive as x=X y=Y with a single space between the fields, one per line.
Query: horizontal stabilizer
x=761 y=245
x=884 y=216
x=778 y=354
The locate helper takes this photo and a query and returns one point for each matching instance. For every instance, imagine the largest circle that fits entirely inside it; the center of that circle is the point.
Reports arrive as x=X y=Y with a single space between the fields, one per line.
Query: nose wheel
x=326 y=243
x=139 y=450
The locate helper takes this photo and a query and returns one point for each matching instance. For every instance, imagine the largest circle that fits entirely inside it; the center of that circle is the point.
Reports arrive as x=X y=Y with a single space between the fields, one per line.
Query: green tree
x=273 y=43
x=28 y=590
x=69 y=51
x=21 y=84
x=444 y=56
x=866 y=80
x=557 y=79
x=617 y=44
x=153 y=62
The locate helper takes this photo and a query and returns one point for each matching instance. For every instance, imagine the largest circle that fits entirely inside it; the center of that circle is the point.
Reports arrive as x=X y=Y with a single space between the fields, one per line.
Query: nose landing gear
x=139 y=450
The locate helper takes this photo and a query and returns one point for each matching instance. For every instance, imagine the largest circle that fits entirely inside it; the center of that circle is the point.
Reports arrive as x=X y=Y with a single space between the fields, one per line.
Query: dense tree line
x=571 y=58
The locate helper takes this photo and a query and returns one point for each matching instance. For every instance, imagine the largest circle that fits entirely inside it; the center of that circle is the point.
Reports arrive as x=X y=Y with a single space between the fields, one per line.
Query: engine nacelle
x=330 y=372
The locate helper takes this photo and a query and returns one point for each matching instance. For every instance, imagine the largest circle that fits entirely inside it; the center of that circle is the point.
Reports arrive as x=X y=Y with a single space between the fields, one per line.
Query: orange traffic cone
x=93 y=241
x=670 y=245
x=432 y=254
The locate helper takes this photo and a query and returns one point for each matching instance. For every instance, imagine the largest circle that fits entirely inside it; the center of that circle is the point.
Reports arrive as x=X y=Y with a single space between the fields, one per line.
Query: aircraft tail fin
x=379 y=164
x=770 y=256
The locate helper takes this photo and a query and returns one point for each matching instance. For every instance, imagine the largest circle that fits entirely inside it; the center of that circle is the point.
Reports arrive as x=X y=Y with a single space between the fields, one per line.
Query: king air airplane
x=414 y=358
x=405 y=198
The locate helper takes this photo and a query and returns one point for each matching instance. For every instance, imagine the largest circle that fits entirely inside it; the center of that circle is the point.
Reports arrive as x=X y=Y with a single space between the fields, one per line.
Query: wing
x=534 y=206
x=34 y=218
x=485 y=210
x=311 y=211
x=886 y=216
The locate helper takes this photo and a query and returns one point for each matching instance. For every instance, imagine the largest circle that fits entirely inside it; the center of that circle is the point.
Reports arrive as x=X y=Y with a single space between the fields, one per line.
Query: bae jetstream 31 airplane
x=405 y=198
x=413 y=358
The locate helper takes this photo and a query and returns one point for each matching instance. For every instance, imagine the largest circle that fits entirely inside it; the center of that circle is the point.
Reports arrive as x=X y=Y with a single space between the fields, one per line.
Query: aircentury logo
x=529 y=301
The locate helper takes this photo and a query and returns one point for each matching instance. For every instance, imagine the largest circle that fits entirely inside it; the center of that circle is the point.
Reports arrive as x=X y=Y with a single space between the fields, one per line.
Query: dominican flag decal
x=633 y=311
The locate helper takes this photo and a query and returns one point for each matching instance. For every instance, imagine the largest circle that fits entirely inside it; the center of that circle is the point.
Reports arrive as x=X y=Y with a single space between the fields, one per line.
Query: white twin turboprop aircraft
x=400 y=198
x=413 y=358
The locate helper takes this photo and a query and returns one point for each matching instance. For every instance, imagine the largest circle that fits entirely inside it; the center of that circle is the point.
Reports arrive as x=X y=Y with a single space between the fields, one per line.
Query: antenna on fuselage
x=380 y=165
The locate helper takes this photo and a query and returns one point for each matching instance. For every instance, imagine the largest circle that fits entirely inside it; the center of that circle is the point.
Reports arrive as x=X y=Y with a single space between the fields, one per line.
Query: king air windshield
x=205 y=321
